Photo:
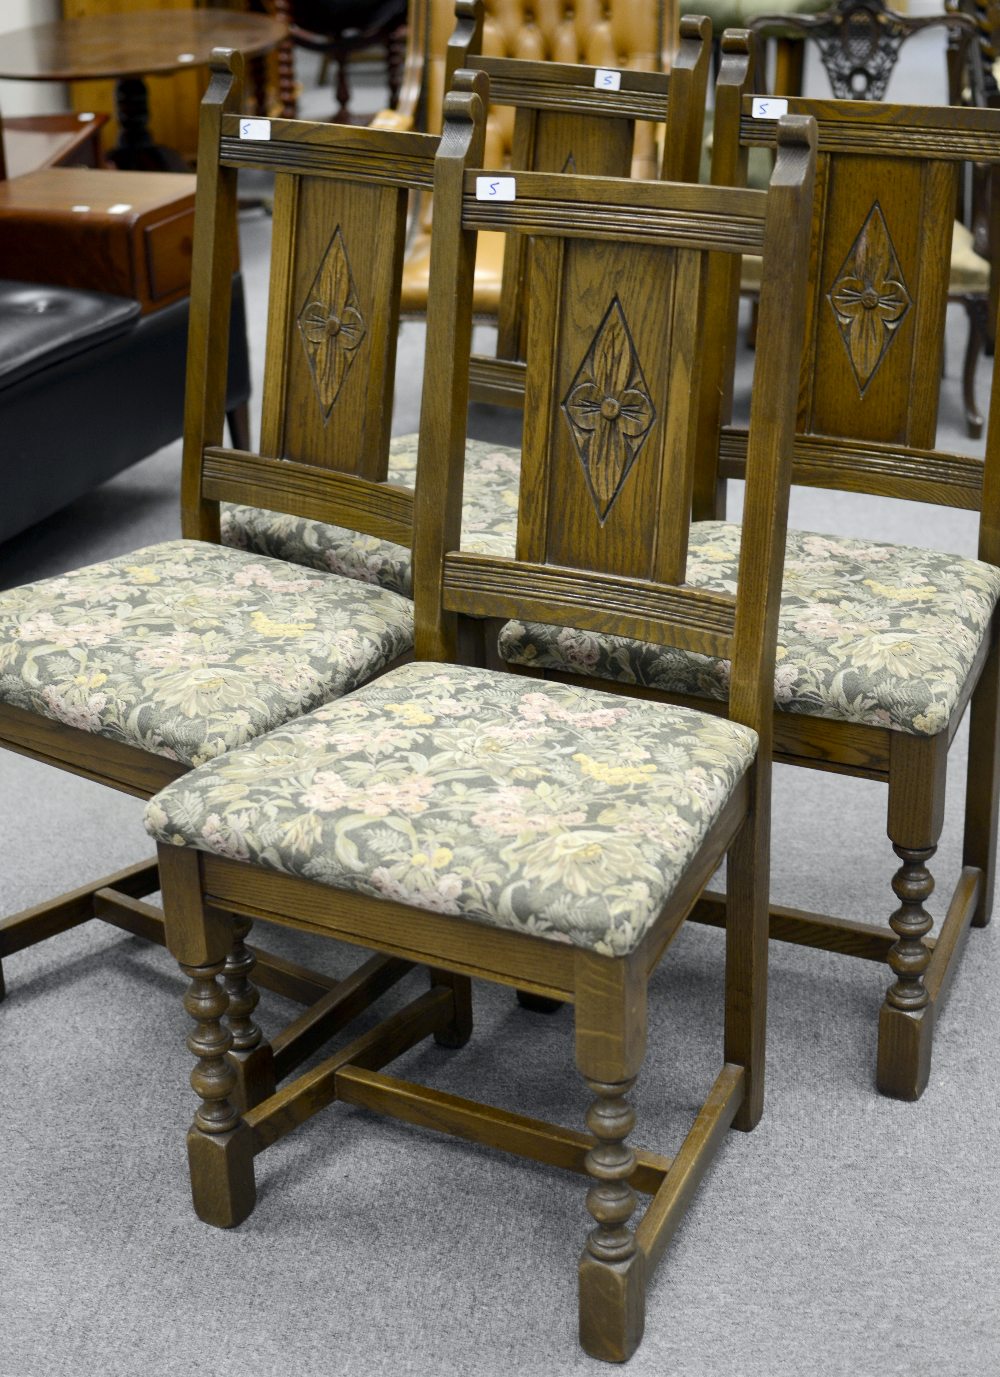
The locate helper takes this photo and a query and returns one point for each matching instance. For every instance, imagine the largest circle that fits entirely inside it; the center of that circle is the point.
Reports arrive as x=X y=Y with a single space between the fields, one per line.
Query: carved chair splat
x=614 y=378
x=859 y=44
x=230 y=643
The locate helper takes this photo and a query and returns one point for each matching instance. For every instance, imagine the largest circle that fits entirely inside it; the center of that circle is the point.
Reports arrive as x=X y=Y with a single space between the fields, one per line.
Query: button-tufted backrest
x=638 y=34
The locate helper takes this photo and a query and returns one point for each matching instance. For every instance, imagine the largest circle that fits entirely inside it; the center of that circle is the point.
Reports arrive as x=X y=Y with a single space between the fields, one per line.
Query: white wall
x=29 y=97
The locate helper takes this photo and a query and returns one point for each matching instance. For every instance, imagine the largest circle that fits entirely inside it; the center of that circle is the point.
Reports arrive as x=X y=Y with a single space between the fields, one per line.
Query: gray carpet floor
x=847 y=1235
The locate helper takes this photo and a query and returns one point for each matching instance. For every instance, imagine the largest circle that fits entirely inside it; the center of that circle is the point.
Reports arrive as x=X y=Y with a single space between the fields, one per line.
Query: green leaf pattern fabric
x=535 y=806
x=884 y=635
x=187 y=649
x=489 y=521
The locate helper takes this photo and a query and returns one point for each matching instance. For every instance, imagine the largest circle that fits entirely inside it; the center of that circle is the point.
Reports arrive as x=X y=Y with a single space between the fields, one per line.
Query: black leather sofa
x=88 y=386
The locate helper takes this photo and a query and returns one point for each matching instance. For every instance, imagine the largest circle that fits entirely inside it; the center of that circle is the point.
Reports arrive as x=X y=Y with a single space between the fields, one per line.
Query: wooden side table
x=129 y=47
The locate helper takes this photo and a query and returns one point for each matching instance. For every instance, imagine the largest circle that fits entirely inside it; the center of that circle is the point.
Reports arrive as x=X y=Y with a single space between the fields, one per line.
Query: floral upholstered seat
x=489 y=521
x=535 y=806
x=879 y=634
x=187 y=649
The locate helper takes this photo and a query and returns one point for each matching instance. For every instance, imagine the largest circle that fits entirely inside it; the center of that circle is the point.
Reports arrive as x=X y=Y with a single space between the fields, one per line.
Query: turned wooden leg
x=918 y=769
x=251 y=1056
x=610 y=1044
x=982 y=790
x=612 y=1274
x=220 y=1150
x=459 y=1030
x=395 y=55
x=906 y=1020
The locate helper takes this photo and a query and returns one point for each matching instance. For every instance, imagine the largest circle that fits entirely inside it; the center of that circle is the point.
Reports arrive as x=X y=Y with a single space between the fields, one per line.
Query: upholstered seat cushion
x=187 y=649
x=540 y=807
x=489 y=521
x=878 y=634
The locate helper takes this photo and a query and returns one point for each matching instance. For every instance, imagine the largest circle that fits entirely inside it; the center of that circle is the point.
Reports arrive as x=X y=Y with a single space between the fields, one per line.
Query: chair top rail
x=382 y=510
x=945 y=132
x=667 y=614
x=383 y=156
x=933 y=476
x=723 y=219
x=559 y=86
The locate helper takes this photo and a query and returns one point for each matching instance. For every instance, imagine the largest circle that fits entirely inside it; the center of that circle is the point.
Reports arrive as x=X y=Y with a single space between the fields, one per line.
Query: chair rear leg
x=251 y=1056
x=747 y=921
x=982 y=789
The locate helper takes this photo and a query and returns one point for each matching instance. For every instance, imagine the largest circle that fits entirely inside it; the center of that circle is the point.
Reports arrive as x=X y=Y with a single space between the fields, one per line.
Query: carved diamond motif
x=609 y=410
x=869 y=298
x=331 y=323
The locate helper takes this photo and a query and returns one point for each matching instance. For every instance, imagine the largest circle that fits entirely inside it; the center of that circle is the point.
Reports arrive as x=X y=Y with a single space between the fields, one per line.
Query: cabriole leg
x=220 y=1150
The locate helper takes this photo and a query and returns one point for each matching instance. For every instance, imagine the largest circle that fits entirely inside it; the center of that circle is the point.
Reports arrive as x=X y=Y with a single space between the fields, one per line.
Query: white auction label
x=496 y=189
x=769 y=107
x=607 y=79
x=255 y=129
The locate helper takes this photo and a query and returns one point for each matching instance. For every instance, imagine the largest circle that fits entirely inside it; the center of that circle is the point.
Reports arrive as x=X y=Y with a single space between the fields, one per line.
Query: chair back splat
x=887 y=181
x=332 y=319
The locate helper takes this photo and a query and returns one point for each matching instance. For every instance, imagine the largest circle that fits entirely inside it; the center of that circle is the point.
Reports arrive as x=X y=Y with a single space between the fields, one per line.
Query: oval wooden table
x=127 y=48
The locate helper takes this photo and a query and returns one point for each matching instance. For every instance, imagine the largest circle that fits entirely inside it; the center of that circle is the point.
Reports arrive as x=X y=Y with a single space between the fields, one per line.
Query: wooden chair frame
x=574 y=220
x=912 y=767
x=299 y=471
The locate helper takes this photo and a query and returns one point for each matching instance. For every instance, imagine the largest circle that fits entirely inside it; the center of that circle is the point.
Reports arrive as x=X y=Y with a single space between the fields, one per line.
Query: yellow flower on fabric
x=91 y=681
x=925 y=593
x=264 y=626
x=719 y=553
x=421 y=861
x=142 y=573
x=613 y=774
x=413 y=714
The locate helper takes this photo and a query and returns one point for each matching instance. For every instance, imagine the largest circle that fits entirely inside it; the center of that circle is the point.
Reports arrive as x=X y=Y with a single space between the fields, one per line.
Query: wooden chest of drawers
x=128 y=233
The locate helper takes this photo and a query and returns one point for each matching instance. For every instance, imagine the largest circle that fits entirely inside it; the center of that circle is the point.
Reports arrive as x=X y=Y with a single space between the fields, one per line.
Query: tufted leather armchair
x=638 y=34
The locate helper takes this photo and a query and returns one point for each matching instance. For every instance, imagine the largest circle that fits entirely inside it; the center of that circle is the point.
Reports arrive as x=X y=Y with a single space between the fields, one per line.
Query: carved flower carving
x=331 y=323
x=869 y=297
x=609 y=409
